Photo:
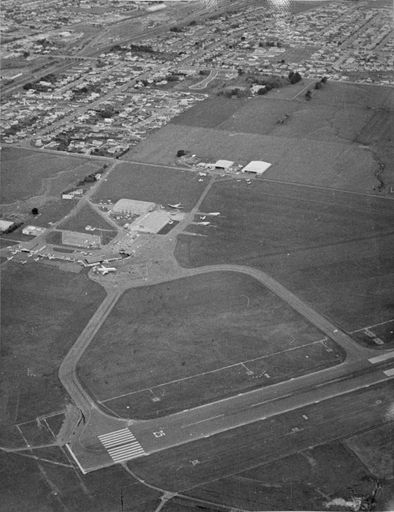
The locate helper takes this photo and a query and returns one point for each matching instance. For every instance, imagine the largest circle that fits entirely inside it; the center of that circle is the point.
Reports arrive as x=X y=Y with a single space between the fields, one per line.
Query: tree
x=318 y=85
x=308 y=95
x=34 y=211
x=180 y=152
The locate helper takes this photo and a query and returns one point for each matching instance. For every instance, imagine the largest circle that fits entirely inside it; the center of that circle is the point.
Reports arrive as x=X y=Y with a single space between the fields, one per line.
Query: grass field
x=323 y=142
x=375 y=449
x=331 y=248
x=52 y=211
x=205 y=466
x=151 y=183
x=182 y=328
x=43 y=312
x=87 y=216
x=52 y=483
x=313 y=162
x=190 y=392
x=24 y=173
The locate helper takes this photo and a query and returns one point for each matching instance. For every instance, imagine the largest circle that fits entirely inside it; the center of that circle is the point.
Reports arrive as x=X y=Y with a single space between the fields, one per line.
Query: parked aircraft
x=105 y=270
x=177 y=206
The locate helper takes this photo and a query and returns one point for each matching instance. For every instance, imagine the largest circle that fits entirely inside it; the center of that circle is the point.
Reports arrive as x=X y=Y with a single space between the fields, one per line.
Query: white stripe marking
x=125 y=448
x=389 y=372
x=382 y=357
x=119 y=440
x=115 y=433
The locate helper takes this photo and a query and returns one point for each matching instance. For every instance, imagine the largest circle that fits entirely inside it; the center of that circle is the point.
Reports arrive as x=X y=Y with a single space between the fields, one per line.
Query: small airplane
x=176 y=206
x=105 y=270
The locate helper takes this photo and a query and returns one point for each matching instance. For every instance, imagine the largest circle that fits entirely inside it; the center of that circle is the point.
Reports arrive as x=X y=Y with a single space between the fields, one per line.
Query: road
x=135 y=438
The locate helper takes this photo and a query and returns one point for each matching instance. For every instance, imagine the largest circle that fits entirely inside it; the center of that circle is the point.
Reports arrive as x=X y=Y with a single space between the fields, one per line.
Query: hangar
x=257 y=167
x=132 y=207
x=224 y=164
x=152 y=222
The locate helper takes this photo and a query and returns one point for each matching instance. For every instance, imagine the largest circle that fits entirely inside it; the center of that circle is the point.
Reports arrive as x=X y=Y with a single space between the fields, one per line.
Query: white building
x=131 y=207
x=257 y=167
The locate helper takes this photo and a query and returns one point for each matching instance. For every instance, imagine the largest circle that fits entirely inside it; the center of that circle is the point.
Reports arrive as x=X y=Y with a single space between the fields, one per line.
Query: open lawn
x=256 y=373
x=52 y=211
x=192 y=326
x=151 y=183
x=376 y=449
x=333 y=249
x=28 y=173
x=204 y=466
x=43 y=312
x=52 y=483
x=87 y=216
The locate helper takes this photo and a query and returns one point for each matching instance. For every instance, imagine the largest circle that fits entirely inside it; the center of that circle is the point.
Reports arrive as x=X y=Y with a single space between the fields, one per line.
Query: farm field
x=26 y=173
x=188 y=327
x=333 y=249
x=151 y=183
x=43 y=312
x=260 y=444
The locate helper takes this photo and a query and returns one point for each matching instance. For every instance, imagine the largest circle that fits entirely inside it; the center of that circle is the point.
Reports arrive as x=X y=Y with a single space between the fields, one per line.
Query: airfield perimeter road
x=357 y=371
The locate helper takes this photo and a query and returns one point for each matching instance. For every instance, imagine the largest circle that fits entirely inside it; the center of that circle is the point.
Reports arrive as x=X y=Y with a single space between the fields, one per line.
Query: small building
x=33 y=230
x=6 y=226
x=76 y=239
x=131 y=207
x=224 y=164
x=72 y=194
x=257 y=167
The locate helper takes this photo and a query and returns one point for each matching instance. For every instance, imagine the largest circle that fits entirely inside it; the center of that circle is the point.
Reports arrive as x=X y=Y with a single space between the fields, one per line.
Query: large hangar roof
x=256 y=167
x=132 y=206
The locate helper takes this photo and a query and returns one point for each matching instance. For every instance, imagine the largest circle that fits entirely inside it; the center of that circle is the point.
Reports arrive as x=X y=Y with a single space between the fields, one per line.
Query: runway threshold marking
x=121 y=445
x=382 y=357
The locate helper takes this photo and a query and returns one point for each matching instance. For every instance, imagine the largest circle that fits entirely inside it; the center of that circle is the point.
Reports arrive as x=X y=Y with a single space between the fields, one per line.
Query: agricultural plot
x=151 y=183
x=43 y=312
x=332 y=249
x=176 y=335
x=27 y=173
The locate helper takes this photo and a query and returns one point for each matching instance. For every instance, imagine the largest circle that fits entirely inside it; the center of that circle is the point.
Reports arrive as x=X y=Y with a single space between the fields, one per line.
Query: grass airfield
x=329 y=246
x=191 y=341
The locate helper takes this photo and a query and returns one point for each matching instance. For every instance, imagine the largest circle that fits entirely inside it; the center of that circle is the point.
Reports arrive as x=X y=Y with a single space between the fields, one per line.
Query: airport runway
x=104 y=439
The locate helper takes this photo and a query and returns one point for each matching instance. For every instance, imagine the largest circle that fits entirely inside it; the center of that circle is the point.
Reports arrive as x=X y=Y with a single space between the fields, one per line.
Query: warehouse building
x=152 y=222
x=131 y=207
x=224 y=165
x=257 y=167
x=7 y=226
